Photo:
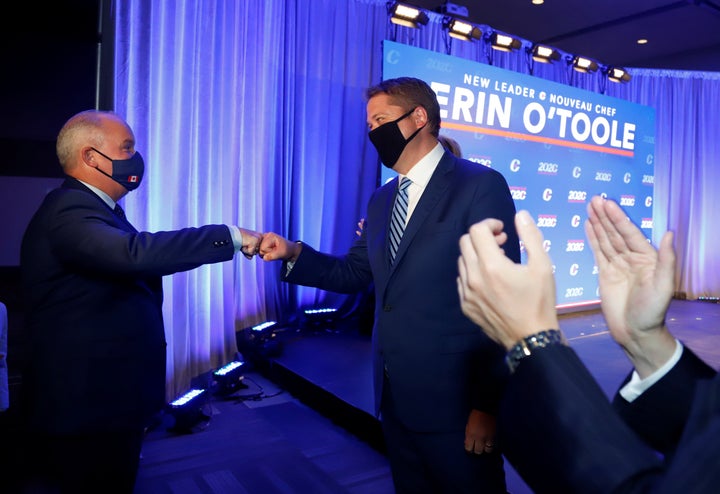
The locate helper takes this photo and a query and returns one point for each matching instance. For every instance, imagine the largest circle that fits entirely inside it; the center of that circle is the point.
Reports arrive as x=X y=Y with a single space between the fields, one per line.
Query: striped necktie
x=399 y=214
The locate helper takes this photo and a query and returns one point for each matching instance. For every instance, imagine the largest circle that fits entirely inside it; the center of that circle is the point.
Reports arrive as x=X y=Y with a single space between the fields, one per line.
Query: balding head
x=86 y=128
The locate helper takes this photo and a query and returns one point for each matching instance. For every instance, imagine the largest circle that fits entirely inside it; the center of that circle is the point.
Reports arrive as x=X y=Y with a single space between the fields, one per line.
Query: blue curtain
x=252 y=113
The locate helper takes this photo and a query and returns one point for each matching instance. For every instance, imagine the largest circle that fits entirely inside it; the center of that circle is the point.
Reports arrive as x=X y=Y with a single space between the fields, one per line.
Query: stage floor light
x=229 y=378
x=322 y=318
x=259 y=340
x=188 y=412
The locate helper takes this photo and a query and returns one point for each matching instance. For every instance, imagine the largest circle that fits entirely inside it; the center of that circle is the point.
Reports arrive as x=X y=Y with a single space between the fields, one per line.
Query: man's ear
x=88 y=156
x=420 y=116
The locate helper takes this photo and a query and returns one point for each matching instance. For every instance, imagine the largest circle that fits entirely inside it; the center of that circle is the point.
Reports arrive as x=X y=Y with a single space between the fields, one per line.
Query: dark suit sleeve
x=558 y=429
x=343 y=274
x=84 y=235
x=661 y=412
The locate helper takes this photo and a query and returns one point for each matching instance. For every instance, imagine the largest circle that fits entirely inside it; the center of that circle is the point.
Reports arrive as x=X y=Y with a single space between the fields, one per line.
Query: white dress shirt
x=636 y=386
x=420 y=176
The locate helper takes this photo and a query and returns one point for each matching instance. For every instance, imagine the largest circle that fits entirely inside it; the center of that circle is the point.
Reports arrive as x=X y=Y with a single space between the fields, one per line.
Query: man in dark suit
x=93 y=294
x=556 y=425
x=437 y=379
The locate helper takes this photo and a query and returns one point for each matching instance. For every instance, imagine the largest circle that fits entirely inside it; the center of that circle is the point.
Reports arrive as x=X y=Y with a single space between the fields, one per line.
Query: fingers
x=611 y=233
x=479 y=447
x=531 y=236
x=627 y=236
x=481 y=246
x=268 y=245
x=478 y=248
x=666 y=258
x=250 y=242
x=275 y=247
x=361 y=226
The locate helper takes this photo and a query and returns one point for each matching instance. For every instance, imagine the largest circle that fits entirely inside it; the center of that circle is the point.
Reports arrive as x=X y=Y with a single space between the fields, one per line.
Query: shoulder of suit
x=74 y=193
x=473 y=168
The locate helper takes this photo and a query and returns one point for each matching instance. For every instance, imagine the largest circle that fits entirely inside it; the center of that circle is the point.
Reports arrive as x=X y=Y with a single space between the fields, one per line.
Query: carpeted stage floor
x=304 y=424
x=316 y=432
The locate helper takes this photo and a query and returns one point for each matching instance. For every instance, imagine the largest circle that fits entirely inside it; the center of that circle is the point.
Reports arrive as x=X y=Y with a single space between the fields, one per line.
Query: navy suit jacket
x=93 y=300
x=560 y=432
x=440 y=365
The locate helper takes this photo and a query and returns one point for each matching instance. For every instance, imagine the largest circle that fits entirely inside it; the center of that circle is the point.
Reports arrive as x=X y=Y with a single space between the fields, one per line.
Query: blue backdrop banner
x=556 y=145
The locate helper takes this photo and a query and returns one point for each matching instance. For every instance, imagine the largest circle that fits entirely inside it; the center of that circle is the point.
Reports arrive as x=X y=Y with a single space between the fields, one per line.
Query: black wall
x=49 y=66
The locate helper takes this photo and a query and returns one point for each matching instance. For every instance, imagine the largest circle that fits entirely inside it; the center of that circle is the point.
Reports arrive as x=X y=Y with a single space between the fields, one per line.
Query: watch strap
x=525 y=347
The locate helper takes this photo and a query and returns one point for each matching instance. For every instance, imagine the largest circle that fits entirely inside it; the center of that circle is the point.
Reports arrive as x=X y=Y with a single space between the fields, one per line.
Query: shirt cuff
x=236 y=236
x=636 y=386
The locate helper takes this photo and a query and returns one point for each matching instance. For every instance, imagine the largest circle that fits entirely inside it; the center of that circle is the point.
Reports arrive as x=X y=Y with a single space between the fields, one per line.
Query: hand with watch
x=513 y=303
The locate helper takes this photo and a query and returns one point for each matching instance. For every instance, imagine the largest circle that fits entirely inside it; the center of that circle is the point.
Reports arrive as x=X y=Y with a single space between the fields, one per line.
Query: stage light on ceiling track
x=544 y=54
x=504 y=42
x=461 y=30
x=407 y=15
x=618 y=74
x=583 y=64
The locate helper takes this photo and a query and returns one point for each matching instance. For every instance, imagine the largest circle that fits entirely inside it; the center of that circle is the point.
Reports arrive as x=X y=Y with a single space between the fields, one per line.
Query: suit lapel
x=123 y=223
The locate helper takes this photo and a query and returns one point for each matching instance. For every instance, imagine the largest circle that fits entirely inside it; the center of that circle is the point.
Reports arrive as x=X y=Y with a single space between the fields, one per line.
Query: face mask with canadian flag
x=128 y=172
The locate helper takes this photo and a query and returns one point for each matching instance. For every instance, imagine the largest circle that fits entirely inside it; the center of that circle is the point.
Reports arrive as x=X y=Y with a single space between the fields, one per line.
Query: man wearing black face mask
x=437 y=379
x=93 y=296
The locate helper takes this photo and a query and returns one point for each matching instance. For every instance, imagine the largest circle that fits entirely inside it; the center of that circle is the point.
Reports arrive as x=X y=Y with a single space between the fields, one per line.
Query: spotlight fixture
x=618 y=74
x=319 y=318
x=261 y=328
x=319 y=313
x=582 y=64
x=407 y=15
x=504 y=42
x=259 y=341
x=544 y=54
x=229 y=378
x=187 y=410
x=461 y=30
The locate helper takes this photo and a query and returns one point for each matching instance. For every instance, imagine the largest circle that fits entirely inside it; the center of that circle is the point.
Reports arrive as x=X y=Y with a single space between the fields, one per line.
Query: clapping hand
x=636 y=284
x=508 y=301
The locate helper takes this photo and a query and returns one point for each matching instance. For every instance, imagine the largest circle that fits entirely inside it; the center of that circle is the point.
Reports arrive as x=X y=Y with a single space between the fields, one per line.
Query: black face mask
x=389 y=140
x=128 y=172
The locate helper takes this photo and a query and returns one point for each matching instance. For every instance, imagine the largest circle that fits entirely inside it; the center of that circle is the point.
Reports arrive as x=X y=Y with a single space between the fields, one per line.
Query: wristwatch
x=527 y=345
